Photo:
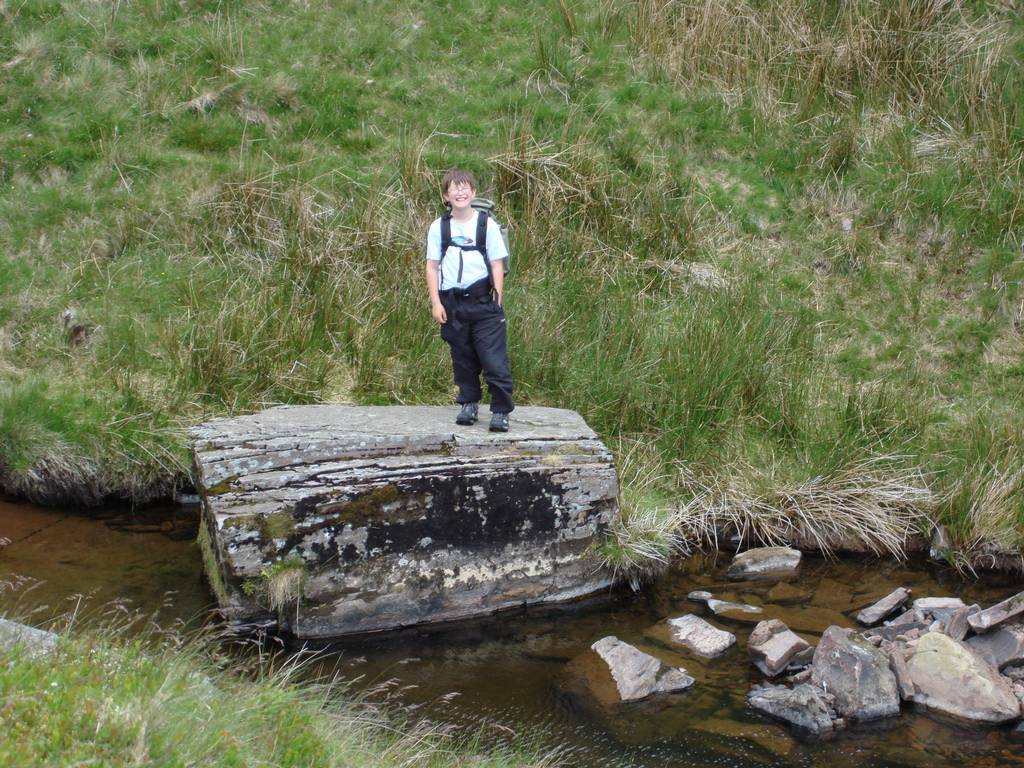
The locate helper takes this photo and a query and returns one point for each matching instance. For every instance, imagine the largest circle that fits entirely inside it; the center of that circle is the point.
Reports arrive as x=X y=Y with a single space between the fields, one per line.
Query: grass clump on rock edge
x=776 y=252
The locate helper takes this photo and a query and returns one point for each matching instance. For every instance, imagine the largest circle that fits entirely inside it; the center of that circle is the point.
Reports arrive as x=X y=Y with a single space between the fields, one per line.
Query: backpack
x=486 y=210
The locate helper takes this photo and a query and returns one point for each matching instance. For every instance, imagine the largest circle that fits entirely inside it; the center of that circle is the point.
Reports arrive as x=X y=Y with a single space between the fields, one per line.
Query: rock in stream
x=381 y=517
x=764 y=562
x=950 y=678
x=857 y=674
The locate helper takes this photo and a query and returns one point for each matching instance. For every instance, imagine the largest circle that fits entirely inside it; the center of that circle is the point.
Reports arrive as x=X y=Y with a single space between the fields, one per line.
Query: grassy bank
x=772 y=254
x=170 y=701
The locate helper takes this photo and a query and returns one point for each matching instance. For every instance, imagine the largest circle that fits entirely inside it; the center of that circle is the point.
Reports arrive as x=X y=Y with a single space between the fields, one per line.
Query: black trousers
x=475 y=333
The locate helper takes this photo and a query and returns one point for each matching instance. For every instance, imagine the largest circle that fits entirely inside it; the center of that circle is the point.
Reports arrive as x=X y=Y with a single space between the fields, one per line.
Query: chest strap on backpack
x=480 y=244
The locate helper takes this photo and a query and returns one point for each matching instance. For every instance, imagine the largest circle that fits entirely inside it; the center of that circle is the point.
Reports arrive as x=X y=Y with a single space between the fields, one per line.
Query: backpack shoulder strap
x=481 y=239
x=446 y=233
x=446 y=241
x=481 y=232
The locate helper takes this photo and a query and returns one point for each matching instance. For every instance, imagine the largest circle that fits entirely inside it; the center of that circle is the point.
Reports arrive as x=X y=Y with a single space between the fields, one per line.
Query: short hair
x=457 y=176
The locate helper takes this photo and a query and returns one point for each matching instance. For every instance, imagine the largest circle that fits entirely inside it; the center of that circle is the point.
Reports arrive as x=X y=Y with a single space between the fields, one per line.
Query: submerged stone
x=347 y=520
x=638 y=675
x=737 y=611
x=764 y=561
x=785 y=593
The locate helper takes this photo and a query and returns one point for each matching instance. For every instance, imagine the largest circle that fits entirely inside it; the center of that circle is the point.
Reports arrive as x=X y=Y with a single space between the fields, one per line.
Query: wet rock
x=786 y=593
x=1008 y=609
x=804 y=706
x=911 y=616
x=932 y=604
x=699 y=596
x=395 y=516
x=803 y=676
x=949 y=678
x=857 y=674
x=893 y=631
x=801 y=660
x=1018 y=689
x=811 y=619
x=898 y=665
x=885 y=607
x=700 y=636
x=33 y=641
x=638 y=675
x=956 y=626
x=1013 y=671
x=940 y=548
x=1017 y=734
x=772 y=646
x=726 y=608
x=740 y=734
x=1001 y=647
x=764 y=561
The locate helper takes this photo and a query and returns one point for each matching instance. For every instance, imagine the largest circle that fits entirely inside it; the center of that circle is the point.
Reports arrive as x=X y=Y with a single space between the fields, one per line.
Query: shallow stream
x=504 y=673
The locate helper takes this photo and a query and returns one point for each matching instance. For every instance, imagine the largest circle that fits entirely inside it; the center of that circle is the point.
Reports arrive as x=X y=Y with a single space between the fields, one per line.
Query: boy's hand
x=437 y=310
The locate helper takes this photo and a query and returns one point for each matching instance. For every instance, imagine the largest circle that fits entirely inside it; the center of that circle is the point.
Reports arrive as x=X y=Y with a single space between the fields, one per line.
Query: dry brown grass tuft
x=906 y=51
x=871 y=505
x=553 y=179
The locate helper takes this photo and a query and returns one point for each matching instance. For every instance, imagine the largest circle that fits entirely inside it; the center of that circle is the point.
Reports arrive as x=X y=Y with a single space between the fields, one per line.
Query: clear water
x=506 y=673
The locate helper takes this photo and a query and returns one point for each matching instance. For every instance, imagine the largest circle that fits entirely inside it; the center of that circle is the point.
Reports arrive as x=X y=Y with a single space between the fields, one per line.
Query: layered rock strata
x=345 y=520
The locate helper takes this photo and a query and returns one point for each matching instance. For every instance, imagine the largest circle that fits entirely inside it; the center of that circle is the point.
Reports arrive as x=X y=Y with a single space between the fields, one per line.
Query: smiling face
x=459 y=195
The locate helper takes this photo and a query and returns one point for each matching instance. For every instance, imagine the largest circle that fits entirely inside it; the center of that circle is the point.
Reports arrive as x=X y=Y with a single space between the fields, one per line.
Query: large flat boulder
x=857 y=674
x=949 y=677
x=342 y=520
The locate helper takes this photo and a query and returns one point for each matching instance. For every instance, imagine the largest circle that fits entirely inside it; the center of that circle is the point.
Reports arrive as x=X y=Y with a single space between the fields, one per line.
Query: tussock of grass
x=872 y=506
x=166 y=699
x=995 y=515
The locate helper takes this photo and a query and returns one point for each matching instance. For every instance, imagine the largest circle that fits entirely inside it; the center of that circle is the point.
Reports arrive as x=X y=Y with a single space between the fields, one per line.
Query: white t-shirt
x=460 y=268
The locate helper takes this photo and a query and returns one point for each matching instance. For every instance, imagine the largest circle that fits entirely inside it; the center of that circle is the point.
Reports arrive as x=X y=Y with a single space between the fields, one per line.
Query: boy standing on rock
x=465 y=280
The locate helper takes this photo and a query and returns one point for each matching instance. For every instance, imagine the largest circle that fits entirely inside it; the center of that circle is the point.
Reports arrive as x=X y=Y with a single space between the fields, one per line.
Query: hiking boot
x=499 y=422
x=467 y=415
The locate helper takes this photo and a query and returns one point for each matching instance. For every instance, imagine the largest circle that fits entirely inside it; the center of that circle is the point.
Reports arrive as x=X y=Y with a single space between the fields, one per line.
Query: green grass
x=773 y=244
x=164 y=699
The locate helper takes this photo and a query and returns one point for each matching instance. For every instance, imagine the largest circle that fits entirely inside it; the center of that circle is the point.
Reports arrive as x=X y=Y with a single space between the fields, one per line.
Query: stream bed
x=504 y=673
